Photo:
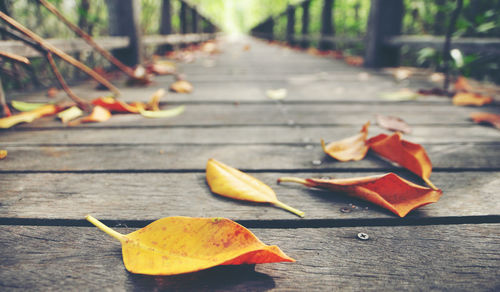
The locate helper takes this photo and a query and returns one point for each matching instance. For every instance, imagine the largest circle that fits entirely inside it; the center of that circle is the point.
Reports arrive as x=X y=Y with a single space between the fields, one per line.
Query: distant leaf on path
x=392 y=123
x=489 y=118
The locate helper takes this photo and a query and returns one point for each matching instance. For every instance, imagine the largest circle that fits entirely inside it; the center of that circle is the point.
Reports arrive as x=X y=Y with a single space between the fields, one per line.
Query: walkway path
x=130 y=171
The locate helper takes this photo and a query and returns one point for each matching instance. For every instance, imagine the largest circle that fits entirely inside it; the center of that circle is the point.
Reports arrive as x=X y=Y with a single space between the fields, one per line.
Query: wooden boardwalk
x=130 y=171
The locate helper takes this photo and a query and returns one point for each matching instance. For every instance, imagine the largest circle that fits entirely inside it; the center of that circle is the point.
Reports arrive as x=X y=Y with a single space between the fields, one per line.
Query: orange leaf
x=230 y=182
x=469 y=98
x=114 y=105
x=30 y=116
x=409 y=155
x=489 y=118
x=352 y=148
x=177 y=245
x=98 y=115
x=154 y=103
x=388 y=191
x=463 y=85
x=3 y=154
x=181 y=86
x=354 y=60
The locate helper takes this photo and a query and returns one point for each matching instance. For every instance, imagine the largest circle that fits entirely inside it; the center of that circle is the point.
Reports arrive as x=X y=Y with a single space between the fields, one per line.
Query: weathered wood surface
x=131 y=170
x=449 y=156
x=455 y=257
x=126 y=196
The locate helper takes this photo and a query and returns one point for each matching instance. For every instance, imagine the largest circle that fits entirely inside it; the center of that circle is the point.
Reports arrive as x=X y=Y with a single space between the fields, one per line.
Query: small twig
x=80 y=102
x=447 y=44
x=50 y=48
x=14 y=57
x=124 y=68
x=3 y=103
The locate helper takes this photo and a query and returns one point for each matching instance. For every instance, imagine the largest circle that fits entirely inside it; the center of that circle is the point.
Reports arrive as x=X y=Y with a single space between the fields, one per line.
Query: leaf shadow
x=231 y=278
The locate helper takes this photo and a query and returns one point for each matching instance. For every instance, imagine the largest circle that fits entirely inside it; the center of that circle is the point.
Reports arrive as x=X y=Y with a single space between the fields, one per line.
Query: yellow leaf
x=26 y=106
x=230 y=182
x=181 y=86
x=177 y=245
x=154 y=103
x=3 y=154
x=163 y=114
x=28 y=117
x=276 y=94
x=70 y=114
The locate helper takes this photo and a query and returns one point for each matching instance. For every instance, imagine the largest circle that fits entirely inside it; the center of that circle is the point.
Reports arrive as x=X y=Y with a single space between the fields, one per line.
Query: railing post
x=166 y=17
x=290 y=24
x=327 y=25
x=305 y=23
x=124 y=21
x=386 y=17
x=195 y=20
x=183 y=18
x=269 y=29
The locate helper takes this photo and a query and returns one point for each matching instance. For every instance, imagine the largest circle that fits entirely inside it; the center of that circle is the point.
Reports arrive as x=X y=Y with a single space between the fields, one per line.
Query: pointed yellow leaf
x=28 y=117
x=230 y=182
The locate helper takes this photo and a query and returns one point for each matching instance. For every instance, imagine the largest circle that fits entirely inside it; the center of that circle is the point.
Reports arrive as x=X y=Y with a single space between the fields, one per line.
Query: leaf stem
x=289 y=209
x=106 y=229
x=293 y=179
x=428 y=182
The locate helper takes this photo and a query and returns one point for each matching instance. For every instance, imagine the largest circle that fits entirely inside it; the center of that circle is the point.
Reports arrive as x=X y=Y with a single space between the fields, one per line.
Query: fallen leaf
x=52 y=92
x=246 y=47
x=162 y=67
x=352 y=148
x=26 y=106
x=3 y=154
x=393 y=124
x=98 y=115
x=462 y=84
x=70 y=114
x=154 y=103
x=276 y=94
x=28 y=117
x=409 y=155
x=354 y=61
x=178 y=245
x=114 y=105
x=492 y=119
x=181 y=86
x=400 y=95
x=230 y=182
x=469 y=98
x=388 y=191
x=163 y=113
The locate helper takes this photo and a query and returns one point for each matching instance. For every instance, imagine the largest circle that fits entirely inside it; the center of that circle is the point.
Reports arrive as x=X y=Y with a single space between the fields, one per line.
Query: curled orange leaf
x=177 y=245
x=98 y=115
x=469 y=98
x=352 y=148
x=29 y=116
x=114 y=105
x=489 y=118
x=409 y=155
x=230 y=182
x=388 y=191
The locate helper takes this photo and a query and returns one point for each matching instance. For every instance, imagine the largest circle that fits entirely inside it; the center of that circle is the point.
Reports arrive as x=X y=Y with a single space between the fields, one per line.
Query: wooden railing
x=383 y=38
x=126 y=38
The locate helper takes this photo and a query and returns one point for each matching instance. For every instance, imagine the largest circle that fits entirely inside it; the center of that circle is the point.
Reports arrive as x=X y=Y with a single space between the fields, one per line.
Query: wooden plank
x=108 y=157
x=66 y=45
x=235 y=135
x=286 y=115
x=448 y=257
x=125 y=196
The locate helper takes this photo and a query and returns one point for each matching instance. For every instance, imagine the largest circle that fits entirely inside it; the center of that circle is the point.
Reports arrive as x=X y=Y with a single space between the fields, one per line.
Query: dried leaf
x=70 y=114
x=3 y=154
x=163 y=114
x=230 y=182
x=354 y=61
x=28 y=117
x=276 y=94
x=400 y=95
x=26 y=106
x=393 y=124
x=178 y=245
x=352 y=148
x=388 y=191
x=409 y=155
x=52 y=92
x=154 y=103
x=469 y=98
x=489 y=118
x=98 y=115
x=114 y=105
x=181 y=86
x=463 y=85
x=162 y=67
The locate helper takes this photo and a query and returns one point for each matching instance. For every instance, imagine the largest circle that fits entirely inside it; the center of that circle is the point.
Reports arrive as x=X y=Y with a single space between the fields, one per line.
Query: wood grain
x=454 y=257
x=146 y=196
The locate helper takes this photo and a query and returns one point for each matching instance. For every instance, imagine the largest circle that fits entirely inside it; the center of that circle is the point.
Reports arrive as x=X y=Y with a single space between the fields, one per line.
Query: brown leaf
x=409 y=155
x=489 y=118
x=181 y=86
x=178 y=245
x=388 y=191
x=352 y=148
x=392 y=123
x=469 y=98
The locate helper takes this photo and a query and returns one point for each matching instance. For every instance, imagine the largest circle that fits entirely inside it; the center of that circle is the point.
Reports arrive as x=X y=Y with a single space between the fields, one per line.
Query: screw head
x=363 y=236
x=345 y=210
